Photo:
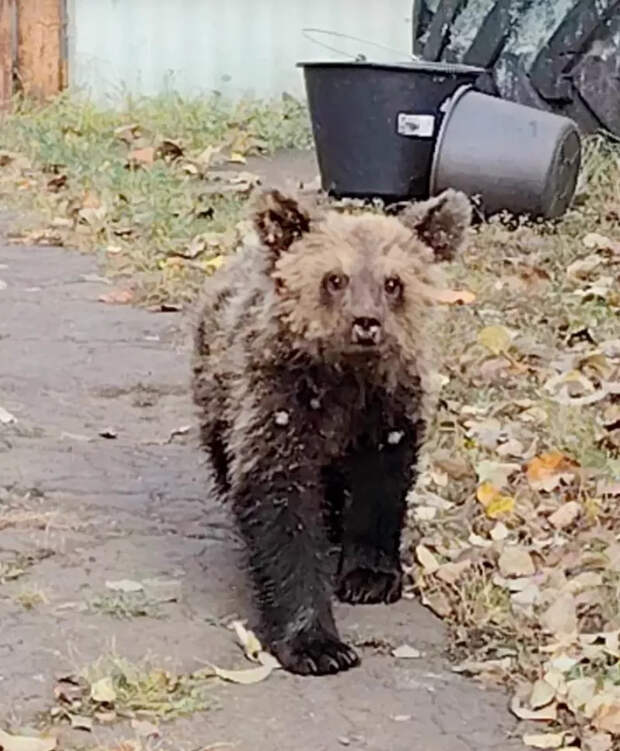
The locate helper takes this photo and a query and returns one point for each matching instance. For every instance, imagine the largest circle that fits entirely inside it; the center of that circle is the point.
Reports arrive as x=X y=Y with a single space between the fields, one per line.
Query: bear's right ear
x=279 y=221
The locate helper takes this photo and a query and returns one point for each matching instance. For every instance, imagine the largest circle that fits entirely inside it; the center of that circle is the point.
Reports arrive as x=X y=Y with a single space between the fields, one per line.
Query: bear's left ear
x=441 y=222
x=279 y=221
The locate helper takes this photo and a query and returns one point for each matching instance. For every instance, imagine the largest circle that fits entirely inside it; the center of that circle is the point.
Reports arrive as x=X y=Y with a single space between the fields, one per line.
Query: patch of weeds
x=115 y=688
x=30 y=598
x=16 y=567
x=155 y=187
x=11 y=570
x=126 y=605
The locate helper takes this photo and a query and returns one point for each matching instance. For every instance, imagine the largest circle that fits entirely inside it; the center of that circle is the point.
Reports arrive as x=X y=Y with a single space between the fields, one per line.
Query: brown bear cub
x=311 y=373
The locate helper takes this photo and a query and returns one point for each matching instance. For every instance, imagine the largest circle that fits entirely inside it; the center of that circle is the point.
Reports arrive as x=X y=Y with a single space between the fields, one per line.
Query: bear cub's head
x=357 y=284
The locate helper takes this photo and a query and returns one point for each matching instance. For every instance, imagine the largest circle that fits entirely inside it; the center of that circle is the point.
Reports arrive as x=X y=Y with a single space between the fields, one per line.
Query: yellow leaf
x=493 y=501
x=496 y=339
x=252 y=675
x=501 y=504
x=103 y=691
x=215 y=262
x=486 y=493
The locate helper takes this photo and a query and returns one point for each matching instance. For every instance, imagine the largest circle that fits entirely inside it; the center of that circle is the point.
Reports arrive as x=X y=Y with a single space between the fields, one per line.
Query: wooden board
x=39 y=48
x=7 y=17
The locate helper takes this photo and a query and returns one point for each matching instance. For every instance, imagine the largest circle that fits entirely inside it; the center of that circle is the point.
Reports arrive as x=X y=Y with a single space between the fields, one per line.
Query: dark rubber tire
x=558 y=55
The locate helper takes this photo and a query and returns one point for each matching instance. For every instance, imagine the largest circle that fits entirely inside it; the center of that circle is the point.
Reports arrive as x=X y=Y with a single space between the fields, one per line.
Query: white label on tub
x=422 y=126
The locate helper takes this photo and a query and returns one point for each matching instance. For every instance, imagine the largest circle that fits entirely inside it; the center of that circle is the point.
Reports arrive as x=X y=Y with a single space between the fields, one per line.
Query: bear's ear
x=441 y=222
x=279 y=221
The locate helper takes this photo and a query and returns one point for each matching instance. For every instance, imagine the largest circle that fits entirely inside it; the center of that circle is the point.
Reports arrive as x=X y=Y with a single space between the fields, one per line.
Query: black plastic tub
x=375 y=124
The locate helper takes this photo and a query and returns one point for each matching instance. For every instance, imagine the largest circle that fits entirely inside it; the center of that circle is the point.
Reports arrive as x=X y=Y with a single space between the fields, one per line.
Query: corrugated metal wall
x=238 y=47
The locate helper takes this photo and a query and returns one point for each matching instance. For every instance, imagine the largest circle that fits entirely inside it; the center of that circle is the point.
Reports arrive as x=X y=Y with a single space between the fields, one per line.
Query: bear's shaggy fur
x=311 y=374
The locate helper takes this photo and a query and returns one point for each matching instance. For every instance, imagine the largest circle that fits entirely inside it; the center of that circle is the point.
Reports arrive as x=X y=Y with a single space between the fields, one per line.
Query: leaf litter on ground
x=529 y=409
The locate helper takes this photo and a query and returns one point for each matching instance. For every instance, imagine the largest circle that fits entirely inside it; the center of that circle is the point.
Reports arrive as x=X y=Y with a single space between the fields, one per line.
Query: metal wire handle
x=360 y=57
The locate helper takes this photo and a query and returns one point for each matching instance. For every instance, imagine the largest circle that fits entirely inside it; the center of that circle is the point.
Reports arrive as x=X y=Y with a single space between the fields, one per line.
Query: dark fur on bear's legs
x=278 y=515
x=381 y=474
x=335 y=492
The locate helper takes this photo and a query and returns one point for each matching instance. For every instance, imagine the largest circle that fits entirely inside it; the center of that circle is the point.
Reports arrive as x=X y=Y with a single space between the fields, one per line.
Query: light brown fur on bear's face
x=351 y=269
x=358 y=285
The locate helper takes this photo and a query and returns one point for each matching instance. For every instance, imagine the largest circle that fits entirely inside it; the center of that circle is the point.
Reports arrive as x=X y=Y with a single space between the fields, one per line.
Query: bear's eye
x=336 y=282
x=393 y=286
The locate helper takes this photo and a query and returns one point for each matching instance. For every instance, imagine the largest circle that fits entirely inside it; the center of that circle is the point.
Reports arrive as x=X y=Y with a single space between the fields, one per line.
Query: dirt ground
x=84 y=509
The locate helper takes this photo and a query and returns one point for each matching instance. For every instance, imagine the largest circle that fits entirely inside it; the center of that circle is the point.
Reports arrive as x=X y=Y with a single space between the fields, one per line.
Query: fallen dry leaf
x=596 y=742
x=438 y=603
x=550 y=712
x=499 y=532
x=79 y=722
x=145 y=729
x=128 y=133
x=565 y=515
x=6 y=418
x=251 y=675
x=102 y=691
x=497 y=339
x=608 y=717
x=117 y=297
x=516 y=561
x=429 y=562
x=495 y=504
x=143 y=157
x=545 y=472
x=406 y=652
x=247 y=639
x=561 y=616
x=544 y=740
x=452 y=572
x=26 y=743
x=582 y=267
x=451 y=296
x=495 y=473
x=486 y=493
x=579 y=692
x=543 y=693
x=600 y=242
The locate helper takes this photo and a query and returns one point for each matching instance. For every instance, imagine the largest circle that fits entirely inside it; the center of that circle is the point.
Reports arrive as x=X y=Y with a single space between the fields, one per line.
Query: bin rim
x=453 y=101
x=422 y=66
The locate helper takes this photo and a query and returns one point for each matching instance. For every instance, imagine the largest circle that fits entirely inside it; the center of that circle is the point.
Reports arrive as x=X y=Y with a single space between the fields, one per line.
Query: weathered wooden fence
x=32 y=57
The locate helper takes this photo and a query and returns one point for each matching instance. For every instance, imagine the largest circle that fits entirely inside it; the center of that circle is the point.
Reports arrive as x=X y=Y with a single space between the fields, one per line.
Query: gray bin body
x=516 y=158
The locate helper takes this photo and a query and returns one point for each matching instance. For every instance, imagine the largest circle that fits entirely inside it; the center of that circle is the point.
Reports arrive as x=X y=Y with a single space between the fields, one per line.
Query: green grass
x=71 y=161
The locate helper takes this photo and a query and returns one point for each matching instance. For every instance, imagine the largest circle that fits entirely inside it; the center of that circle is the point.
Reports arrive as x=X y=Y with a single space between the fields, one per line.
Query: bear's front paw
x=368 y=586
x=315 y=653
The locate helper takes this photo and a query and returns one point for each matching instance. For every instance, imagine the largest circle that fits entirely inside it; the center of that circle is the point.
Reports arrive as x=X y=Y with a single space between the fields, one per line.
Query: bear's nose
x=366 y=331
